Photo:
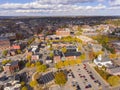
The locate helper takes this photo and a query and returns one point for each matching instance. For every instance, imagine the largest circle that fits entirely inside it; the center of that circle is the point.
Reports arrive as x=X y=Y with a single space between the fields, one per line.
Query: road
x=105 y=85
x=83 y=50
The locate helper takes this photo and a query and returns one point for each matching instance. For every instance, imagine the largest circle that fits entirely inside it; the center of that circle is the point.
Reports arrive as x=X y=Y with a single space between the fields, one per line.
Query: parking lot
x=82 y=77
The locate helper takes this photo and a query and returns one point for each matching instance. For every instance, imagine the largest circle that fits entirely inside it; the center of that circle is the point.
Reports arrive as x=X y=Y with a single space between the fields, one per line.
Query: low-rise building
x=72 y=55
x=116 y=46
x=96 y=47
x=35 y=57
x=63 y=32
x=10 y=36
x=16 y=47
x=57 y=56
x=11 y=67
x=103 y=61
x=48 y=60
x=85 y=39
x=114 y=71
x=4 y=43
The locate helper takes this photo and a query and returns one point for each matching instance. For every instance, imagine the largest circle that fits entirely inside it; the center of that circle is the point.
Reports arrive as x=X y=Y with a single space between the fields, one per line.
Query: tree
x=5 y=62
x=37 y=63
x=82 y=57
x=92 y=55
x=33 y=83
x=51 y=54
x=66 y=63
x=41 y=68
x=32 y=65
x=30 y=41
x=64 y=49
x=28 y=64
x=98 y=53
x=28 y=57
x=60 y=78
x=19 y=51
x=114 y=80
x=24 y=88
x=78 y=61
x=60 y=64
x=113 y=56
x=22 y=83
x=72 y=62
x=4 y=53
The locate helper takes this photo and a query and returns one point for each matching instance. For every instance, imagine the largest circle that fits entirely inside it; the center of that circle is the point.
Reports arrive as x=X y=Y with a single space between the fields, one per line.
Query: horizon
x=60 y=8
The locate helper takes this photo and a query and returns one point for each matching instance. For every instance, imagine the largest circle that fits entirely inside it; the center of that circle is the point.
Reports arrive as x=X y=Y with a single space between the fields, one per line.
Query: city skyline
x=59 y=7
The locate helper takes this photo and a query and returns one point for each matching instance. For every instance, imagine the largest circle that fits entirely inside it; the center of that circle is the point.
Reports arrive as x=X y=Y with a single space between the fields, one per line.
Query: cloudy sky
x=59 y=7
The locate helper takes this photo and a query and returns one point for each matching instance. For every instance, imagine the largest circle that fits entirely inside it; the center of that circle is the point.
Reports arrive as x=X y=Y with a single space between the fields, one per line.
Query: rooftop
x=3 y=38
x=57 y=53
x=72 y=54
x=115 y=70
x=12 y=63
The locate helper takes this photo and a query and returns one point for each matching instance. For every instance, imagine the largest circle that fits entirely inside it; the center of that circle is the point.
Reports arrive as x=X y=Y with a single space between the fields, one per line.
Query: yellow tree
x=64 y=49
x=60 y=64
x=114 y=80
x=72 y=62
x=113 y=56
x=28 y=57
x=78 y=61
x=83 y=57
x=33 y=83
x=66 y=63
x=24 y=88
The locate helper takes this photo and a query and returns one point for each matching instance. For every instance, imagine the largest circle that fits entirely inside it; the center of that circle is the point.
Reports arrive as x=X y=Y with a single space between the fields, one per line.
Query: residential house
x=10 y=36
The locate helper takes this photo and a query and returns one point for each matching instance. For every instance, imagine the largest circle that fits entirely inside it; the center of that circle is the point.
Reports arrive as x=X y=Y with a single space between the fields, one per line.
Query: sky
x=59 y=7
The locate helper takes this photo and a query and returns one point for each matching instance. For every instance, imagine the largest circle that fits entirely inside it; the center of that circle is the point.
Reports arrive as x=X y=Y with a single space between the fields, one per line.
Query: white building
x=102 y=61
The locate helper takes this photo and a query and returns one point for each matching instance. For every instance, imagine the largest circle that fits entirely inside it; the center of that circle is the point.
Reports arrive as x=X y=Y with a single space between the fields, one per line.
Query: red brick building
x=4 y=43
x=57 y=56
x=63 y=32
x=11 y=67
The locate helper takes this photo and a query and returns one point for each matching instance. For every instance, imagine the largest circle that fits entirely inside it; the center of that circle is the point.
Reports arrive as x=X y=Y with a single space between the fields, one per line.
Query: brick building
x=63 y=32
x=11 y=67
x=57 y=56
x=4 y=43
